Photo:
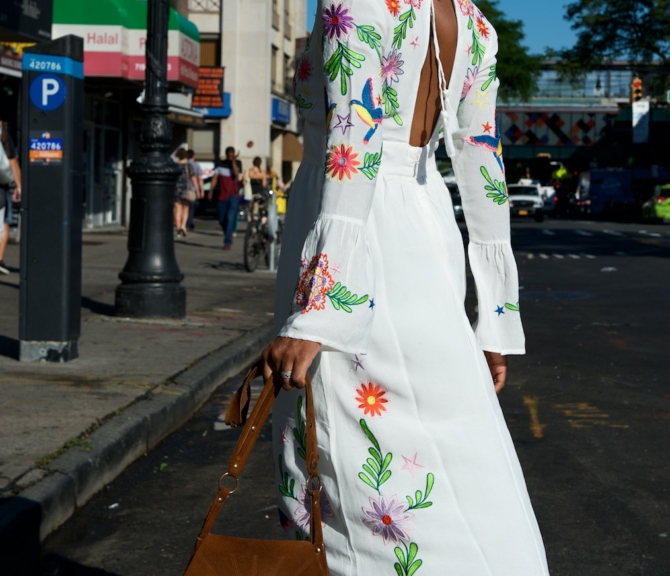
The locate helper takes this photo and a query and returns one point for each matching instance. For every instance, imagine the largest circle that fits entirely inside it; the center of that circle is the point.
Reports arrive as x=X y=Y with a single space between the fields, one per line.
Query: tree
x=517 y=69
x=634 y=30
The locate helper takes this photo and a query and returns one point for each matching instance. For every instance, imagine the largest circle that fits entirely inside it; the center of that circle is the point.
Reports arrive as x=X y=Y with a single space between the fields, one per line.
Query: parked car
x=526 y=201
x=658 y=206
x=456 y=200
x=547 y=193
x=605 y=192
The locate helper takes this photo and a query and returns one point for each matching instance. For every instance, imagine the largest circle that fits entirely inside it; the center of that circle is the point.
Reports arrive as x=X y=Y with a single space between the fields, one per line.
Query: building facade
x=257 y=42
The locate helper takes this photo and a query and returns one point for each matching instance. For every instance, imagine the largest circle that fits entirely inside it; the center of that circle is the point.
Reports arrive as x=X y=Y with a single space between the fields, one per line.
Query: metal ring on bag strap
x=237 y=482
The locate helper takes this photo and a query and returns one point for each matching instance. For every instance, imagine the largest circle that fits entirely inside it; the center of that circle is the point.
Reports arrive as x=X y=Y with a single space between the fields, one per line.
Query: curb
x=78 y=474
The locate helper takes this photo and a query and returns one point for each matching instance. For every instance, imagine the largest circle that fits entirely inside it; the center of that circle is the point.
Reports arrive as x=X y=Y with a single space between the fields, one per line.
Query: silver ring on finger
x=286 y=375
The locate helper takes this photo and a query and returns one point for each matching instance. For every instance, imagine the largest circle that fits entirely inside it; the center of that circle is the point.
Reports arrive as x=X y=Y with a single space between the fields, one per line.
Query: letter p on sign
x=48 y=92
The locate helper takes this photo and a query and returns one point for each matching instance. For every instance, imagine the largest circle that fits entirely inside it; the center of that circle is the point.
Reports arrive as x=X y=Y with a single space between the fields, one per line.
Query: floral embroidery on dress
x=497 y=189
x=490 y=142
x=389 y=519
x=467 y=7
x=394 y=7
x=337 y=21
x=371 y=399
x=316 y=285
x=342 y=163
x=392 y=67
x=470 y=78
x=304 y=511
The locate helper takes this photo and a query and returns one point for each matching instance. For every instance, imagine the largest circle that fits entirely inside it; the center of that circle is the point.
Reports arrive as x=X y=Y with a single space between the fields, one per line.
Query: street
x=588 y=408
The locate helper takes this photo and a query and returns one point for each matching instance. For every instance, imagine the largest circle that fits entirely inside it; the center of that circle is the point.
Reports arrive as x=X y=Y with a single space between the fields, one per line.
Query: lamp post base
x=151 y=300
x=48 y=351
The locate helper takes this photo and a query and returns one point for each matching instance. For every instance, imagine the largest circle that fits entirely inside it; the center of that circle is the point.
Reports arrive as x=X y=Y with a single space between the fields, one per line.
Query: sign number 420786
x=45 y=65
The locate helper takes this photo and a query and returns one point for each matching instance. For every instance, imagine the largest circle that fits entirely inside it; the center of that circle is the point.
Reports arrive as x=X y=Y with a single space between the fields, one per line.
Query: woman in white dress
x=419 y=472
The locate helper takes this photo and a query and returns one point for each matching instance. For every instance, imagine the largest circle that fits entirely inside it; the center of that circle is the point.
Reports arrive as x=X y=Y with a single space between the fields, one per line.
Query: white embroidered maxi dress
x=419 y=472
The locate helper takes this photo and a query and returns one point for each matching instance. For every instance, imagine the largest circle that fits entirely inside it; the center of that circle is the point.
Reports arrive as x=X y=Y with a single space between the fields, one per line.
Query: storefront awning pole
x=151 y=280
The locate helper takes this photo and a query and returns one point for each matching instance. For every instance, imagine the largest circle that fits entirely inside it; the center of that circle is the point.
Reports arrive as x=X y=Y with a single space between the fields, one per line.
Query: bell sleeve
x=334 y=297
x=480 y=174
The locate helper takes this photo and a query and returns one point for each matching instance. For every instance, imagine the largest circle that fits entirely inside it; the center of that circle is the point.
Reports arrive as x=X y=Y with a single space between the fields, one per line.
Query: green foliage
x=372 y=38
x=287 y=484
x=375 y=470
x=302 y=103
x=400 y=32
x=300 y=431
x=512 y=307
x=390 y=101
x=607 y=30
x=343 y=299
x=518 y=70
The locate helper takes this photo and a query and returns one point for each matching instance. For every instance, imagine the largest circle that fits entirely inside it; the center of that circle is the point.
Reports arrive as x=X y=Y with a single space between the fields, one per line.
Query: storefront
x=114 y=33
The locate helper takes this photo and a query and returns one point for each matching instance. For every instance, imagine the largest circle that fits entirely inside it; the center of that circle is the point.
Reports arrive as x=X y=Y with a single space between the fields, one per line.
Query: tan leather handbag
x=216 y=555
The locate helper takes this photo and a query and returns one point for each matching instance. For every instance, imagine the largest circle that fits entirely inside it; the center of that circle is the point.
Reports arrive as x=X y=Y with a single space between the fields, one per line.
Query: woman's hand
x=498 y=367
x=289 y=355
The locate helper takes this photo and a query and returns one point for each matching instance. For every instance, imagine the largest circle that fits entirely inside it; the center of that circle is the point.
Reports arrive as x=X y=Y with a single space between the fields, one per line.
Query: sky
x=543 y=22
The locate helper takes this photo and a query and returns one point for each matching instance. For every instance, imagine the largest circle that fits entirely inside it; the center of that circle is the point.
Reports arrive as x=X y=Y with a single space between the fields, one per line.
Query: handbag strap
x=235 y=416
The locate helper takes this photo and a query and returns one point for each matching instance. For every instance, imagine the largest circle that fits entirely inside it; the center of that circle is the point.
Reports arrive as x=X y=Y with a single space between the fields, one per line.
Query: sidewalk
x=69 y=429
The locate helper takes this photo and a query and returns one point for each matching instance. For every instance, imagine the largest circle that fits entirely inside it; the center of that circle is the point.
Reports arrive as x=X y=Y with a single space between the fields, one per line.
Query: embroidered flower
x=392 y=67
x=467 y=7
x=342 y=163
x=393 y=6
x=371 y=399
x=470 y=78
x=389 y=518
x=337 y=21
x=314 y=284
x=414 y=3
x=482 y=27
x=305 y=69
x=304 y=511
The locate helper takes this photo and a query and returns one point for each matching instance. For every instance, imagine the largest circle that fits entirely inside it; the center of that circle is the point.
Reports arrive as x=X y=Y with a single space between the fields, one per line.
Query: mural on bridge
x=553 y=128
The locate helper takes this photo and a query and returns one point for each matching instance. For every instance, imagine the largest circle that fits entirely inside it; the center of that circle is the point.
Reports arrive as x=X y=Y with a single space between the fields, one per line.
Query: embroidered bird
x=490 y=143
x=367 y=111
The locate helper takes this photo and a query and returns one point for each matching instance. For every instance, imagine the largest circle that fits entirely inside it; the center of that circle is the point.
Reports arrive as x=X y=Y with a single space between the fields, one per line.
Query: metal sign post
x=52 y=149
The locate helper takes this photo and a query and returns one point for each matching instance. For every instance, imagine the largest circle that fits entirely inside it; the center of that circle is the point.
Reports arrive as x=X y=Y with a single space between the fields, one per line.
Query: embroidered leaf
x=343 y=299
x=387 y=462
x=414 y=567
x=368 y=35
x=300 y=432
x=302 y=103
x=374 y=465
x=336 y=65
x=497 y=188
x=370 y=435
x=370 y=472
x=375 y=470
x=512 y=307
x=371 y=164
x=287 y=484
x=376 y=455
x=422 y=499
x=492 y=76
x=407 y=564
x=384 y=477
x=400 y=555
x=398 y=569
x=413 y=551
x=390 y=101
x=367 y=480
x=400 y=31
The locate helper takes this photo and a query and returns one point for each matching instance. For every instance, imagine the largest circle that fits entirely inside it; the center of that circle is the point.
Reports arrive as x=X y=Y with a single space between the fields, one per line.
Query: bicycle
x=258 y=237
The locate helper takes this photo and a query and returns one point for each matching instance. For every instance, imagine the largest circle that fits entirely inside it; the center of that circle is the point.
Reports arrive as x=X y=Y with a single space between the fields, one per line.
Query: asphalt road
x=588 y=407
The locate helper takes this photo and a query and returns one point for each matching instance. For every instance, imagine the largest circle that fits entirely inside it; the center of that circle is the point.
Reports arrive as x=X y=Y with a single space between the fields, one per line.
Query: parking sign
x=48 y=92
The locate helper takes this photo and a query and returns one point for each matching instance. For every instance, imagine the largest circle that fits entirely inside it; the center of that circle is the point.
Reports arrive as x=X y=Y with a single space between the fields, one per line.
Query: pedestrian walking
x=185 y=193
x=9 y=192
x=196 y=169
x=418 y=470
x=226 y=184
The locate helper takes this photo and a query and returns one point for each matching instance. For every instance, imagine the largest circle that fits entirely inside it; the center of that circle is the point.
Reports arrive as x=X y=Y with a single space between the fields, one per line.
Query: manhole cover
x=554 y=295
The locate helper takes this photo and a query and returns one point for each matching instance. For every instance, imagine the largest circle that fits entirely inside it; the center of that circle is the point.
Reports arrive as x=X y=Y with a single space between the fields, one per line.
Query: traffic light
x=636 y=89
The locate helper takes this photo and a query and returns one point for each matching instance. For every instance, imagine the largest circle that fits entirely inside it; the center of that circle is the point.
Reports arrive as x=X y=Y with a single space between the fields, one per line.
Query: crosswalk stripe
x=544 y=257
x=530 y=256
x=548 y=232
x=574 y=256
x=559 y=256
x=583 y=233
x=589 y=256
x=612 y=233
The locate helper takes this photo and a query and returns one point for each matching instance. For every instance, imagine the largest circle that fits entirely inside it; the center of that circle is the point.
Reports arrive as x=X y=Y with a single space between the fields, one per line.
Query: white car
x=526 y=201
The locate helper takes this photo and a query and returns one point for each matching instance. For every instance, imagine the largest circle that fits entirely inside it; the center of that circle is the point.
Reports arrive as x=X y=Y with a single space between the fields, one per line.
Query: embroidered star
x=306 y=91
x=379 y=100
x=410 y=464
x=372 y=304
x=335 y=267
x=358 y=363
x=500 y=310
x=468 y=50
x=415 y=42
x=284 y=437
x=344 y=122
x=487 y=127
x=480 y=100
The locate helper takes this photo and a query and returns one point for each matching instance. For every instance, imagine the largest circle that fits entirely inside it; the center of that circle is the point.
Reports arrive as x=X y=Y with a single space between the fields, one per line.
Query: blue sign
x=281 y=111
x=224 y=112
x=48 y=92
x=57 y=64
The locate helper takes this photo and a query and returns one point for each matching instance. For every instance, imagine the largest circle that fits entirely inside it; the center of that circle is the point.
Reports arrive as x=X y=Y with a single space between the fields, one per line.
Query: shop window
x=210 y=53
x=273 y=65
x=203 y=142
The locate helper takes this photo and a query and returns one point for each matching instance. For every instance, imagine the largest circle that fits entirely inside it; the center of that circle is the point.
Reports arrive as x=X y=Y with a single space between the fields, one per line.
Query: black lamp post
x=151 y=279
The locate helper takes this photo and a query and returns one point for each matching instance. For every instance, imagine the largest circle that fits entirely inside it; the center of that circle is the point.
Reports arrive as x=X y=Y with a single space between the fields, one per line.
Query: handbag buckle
x=237 y=483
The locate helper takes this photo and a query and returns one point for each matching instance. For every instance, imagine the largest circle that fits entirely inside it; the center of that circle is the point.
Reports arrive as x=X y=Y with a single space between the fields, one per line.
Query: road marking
x=530 y=256
x=583 y=233
x=544 y=257
x=535 y=426
x=585 y=415
x=612 y=233
x=548 y=232
x=589 y=256
x=574 y=256
x=559 y=256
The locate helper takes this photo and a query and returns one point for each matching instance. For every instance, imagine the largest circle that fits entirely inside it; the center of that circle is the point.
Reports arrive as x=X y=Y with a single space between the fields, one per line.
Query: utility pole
x=151 y=280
